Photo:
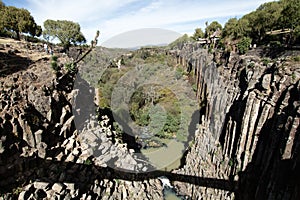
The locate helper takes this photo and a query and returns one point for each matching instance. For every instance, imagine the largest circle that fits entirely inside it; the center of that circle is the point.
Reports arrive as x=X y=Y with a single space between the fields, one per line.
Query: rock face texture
x=249 y=131
x=43 y=155
x=246 y=146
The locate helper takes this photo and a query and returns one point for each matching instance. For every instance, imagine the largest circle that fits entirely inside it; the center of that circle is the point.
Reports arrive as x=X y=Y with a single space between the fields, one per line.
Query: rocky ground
x=42 y=154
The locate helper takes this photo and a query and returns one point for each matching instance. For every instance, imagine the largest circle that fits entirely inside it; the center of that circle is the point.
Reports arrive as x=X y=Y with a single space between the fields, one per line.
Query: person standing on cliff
x=46 y=47
x=50 y=50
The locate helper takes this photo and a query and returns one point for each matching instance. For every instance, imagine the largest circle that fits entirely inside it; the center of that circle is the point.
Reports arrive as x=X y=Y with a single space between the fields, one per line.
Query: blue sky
x=113 y=17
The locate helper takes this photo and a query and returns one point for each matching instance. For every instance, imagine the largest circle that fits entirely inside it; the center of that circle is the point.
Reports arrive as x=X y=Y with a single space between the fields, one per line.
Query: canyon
x=246 y=145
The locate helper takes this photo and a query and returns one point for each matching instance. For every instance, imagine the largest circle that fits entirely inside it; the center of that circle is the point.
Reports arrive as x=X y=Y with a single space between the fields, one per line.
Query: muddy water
x=169 y=194
x=165 y=158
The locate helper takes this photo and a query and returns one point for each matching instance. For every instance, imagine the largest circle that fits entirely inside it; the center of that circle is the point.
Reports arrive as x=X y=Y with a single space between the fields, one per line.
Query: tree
x=290 y=17
x=179 y=42
x=36 y=31
x=198 y=34
x=265 y=18
x=257 y=23
x=236 y=29
x=2 y=5
x=243 y=28
x=19 y=21
x=212 y=28
x=269 y=14
x=231 y=28
x=244 y=44
x=67 y=32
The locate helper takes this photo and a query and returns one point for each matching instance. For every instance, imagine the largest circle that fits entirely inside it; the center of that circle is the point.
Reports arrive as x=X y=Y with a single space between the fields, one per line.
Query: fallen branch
x=93 y=45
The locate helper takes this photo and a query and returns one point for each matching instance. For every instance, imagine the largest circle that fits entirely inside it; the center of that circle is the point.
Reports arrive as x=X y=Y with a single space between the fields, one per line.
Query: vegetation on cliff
x=67 y=32
x=259 y=24
x=16 y=21
x=275 y=23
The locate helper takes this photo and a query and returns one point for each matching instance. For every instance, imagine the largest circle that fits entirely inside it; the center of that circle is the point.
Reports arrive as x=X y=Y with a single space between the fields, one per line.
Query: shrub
x=194 y=86
x=266 y=61
x=251 y=65
x=54 y=58
x=243 y=45
x=54 y=66
x=70 y=67
x=275 y=44
x=294 y=76
x=88 y=162
x=179 y=43
x=179 y=73
x=297 y=58
x=221 y=44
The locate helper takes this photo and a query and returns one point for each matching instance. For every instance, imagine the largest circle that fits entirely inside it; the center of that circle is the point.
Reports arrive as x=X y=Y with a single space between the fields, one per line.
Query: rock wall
x=246 y=147
x=249 y=131
x=43 y=155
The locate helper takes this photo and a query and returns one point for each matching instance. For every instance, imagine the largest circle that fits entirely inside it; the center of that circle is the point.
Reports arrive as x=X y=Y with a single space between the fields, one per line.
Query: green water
x=170 y=195
x=165 y=158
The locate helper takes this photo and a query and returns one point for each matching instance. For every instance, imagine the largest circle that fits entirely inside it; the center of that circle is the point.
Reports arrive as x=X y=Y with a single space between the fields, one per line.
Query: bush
x=194 y=87
x=297 y=58
x=243 y=45
x=266 y=61
x=221 y=44
x=54 y=58
x=294 y=76
x=70 y=67
x=88 y=162
x=275 y=44
x=251 y=64
x=178 y=73
x=54 y=66
x=179 y=42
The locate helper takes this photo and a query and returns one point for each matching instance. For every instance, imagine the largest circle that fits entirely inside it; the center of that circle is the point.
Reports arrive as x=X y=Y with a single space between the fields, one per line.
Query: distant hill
x=142 y=37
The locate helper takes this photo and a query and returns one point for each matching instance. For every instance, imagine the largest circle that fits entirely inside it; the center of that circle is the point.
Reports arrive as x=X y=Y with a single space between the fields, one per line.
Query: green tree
x=269 y=14
x=265 y=18
x=19 y=21
x=67 y=32
x=198 y=34
x=236 y=29
x=179 y=42
x=243 y=28
x=231 y=28
x=2 y=5
x=246 y=25
x=257 y=23
x=244 y=44
x=212 y=28
x=290 y=17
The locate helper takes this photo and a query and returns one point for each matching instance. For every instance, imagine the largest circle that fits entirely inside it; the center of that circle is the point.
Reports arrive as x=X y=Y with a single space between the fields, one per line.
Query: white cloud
x=113 y=17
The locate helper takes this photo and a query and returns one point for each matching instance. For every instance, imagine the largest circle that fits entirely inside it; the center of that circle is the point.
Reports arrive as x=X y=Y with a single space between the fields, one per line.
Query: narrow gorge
x=246 y=145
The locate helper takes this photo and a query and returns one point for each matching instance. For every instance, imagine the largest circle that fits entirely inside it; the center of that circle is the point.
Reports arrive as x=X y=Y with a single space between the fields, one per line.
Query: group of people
x=48 y=49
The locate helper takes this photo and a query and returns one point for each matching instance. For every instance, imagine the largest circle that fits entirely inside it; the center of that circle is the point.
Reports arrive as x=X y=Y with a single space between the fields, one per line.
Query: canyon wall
x=246 y=146
x=42 y=154
x=249 y=129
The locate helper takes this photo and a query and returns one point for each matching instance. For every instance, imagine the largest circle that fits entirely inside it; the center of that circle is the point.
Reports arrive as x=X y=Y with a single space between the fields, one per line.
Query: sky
x=113 y=17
